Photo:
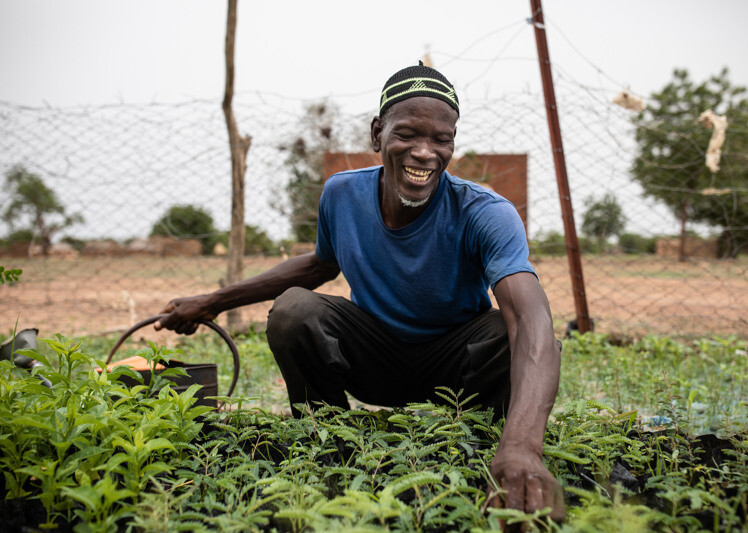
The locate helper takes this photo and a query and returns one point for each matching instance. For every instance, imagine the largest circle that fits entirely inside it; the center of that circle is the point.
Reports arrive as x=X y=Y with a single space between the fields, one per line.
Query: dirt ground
x=627 y=295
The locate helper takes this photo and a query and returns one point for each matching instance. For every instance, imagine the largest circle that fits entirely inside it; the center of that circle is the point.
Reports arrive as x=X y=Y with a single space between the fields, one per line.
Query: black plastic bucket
x=205 y=374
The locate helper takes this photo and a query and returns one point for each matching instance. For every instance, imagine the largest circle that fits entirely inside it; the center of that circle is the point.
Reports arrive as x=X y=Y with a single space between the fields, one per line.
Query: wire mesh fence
x=122 y=166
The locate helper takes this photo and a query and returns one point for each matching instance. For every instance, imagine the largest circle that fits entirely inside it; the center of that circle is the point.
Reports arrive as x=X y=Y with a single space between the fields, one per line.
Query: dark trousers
x=325 y=346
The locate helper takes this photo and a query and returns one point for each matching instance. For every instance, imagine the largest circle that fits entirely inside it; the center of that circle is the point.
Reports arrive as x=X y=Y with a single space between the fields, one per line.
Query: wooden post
x=239 y=148
x=567 y=211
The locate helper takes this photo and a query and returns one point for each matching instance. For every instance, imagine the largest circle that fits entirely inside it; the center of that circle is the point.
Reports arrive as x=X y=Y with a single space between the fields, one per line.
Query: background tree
x=305 y=160
x=239 y=146
x=602 y=220
x=671 y=149
x=31 y=200
x=188 y=222
x=319 y=131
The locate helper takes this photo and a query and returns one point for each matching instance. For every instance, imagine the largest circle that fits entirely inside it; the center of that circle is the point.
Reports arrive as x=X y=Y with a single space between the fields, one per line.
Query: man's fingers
x=529 y=494
x=169 y=322
x=527 y=485
x=515 y=491
x=158 y=325
x=535 y=495
x=166 y=322
x=541 y=493
x=168 y=309
x=183 y=328
x=186 y=328
x=558 y=508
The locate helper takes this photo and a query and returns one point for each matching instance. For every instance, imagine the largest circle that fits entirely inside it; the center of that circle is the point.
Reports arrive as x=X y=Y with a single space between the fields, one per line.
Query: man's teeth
x=417 y=175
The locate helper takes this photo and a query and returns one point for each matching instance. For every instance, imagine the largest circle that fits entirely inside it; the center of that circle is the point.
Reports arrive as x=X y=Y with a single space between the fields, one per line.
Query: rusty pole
x=567 y=212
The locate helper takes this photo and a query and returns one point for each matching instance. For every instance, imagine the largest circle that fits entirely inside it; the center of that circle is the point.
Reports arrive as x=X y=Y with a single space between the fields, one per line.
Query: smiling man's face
x=416 y=141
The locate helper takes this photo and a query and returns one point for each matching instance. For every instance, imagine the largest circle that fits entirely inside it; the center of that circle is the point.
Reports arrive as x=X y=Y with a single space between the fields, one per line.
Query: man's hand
x=528 y=484
x=183 y=314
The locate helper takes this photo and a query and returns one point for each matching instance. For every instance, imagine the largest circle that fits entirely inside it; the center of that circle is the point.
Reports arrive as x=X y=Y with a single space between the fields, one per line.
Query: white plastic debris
x=711 y=120
x=629 y=101
x=712 y=191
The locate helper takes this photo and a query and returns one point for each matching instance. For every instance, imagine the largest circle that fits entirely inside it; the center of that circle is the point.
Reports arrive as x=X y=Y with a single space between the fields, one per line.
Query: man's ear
x=376 y=133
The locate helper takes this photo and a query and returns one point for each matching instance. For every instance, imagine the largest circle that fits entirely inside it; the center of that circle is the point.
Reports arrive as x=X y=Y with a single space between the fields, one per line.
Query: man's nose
x=422 y=150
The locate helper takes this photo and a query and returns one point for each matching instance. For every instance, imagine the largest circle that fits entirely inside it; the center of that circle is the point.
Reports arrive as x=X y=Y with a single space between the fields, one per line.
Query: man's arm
x=302 y=271
x=535 y=370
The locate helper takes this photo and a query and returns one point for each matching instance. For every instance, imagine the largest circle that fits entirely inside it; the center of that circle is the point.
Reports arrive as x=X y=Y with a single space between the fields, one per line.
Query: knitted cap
x=418 y=80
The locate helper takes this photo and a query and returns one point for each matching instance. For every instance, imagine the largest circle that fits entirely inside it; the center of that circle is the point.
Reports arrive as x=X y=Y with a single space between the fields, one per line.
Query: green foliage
x=88 y=439
x=33 y=201
x=548 y=243
x=188 y=222
x=20 y=236
x=97 y=456
x=702 y=385
x=554 y=243
x=632 y=243
x=9 y=276
x=603 y=219
x=256 y=241
x=76 y=244
x=319 y=131
x=670 y=164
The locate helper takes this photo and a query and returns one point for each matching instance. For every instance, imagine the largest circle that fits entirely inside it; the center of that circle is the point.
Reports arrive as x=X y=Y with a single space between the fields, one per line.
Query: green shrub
x=548 y=243
x=554 y=243
x=633 y=243
x=188 y=222
x=256 y=241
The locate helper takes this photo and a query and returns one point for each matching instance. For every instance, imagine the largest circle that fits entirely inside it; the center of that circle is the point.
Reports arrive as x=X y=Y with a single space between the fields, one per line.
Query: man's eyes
x=407 y=136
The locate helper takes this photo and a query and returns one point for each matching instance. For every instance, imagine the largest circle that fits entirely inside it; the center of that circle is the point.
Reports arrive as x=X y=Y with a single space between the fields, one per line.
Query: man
x=419 y=249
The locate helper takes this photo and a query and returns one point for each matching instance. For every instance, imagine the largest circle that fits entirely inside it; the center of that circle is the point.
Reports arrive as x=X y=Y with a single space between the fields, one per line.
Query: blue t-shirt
x=432 y=275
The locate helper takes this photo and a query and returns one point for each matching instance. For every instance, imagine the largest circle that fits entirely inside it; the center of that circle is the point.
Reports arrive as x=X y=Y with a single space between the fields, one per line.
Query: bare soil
x=627 y=295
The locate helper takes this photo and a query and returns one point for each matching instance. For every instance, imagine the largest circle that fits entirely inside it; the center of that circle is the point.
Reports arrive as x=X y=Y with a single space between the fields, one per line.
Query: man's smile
x=417 y=175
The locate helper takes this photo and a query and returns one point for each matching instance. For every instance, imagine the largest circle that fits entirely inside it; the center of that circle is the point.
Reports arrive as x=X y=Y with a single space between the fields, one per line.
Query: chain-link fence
x=122 y=166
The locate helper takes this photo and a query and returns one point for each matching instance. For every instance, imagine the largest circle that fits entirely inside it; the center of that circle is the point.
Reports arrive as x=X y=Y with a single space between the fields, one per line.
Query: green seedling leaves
x=103 y=457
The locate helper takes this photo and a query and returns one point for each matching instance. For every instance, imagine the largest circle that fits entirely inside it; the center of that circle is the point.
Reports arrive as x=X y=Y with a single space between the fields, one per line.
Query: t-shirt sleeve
x=324 y=249
x=497 y=236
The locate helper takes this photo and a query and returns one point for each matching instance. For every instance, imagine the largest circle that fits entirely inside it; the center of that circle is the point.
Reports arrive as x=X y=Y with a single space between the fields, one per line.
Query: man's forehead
x=423 y=107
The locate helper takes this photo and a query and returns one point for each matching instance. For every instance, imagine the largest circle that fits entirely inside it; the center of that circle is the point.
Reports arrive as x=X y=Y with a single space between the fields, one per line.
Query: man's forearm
x=300 y=271
x=536 y=358
x=534 y=377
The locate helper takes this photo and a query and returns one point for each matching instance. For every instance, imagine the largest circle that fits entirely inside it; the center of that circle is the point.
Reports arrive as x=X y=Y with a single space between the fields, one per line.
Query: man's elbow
x=332 y=272
x=327 y=270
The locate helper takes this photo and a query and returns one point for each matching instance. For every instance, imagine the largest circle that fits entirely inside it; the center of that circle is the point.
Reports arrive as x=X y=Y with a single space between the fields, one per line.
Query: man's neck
x=392 y=206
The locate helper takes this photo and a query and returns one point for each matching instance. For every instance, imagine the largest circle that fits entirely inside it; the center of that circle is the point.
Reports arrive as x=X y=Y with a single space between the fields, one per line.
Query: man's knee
x=289 y=310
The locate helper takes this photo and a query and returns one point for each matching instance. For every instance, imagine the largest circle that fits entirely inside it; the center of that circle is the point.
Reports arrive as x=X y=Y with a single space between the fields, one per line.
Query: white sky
x=88 y=52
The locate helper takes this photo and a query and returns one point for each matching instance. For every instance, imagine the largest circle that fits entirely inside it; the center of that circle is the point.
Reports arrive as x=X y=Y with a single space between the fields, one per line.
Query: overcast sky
x=89 y=52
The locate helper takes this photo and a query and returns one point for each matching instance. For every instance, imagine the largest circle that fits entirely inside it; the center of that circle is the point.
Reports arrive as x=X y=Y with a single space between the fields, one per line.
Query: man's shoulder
x=473 y=193
x=355 y=186
x=346 y=176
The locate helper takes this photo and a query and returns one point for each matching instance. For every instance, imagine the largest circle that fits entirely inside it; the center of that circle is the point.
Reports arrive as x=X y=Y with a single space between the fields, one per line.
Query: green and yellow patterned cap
x=418 y=80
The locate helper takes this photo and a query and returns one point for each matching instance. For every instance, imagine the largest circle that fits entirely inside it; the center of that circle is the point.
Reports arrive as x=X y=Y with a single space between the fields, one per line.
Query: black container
x=205 y=374
x=202 y=374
